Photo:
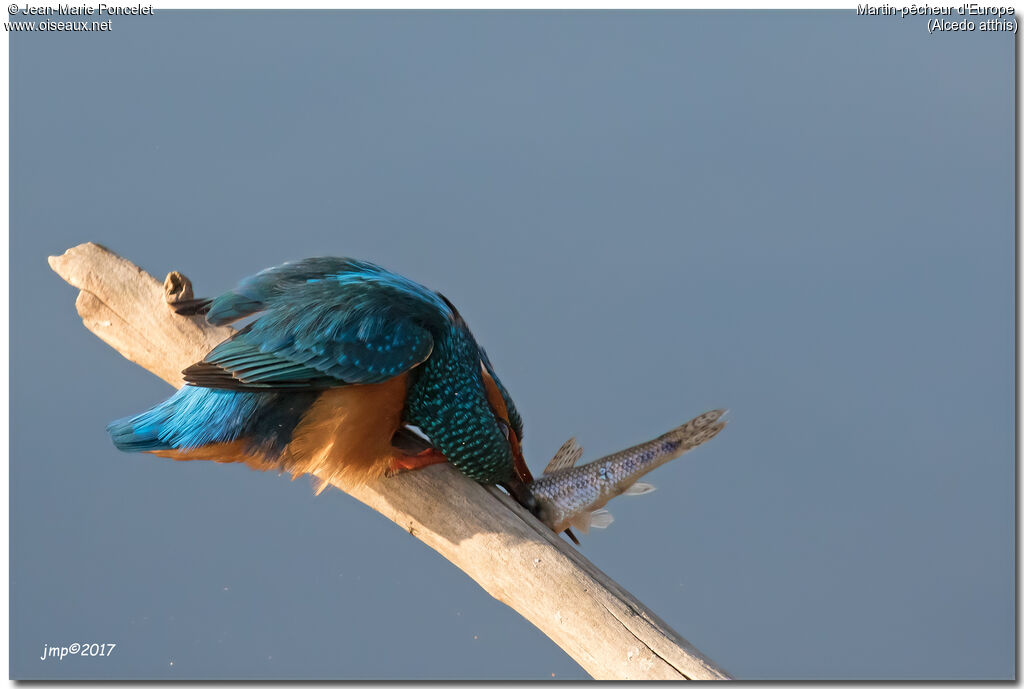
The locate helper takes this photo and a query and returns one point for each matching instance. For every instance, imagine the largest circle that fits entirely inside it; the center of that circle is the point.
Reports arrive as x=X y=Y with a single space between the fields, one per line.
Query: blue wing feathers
x=252 y=293
x=325 y=321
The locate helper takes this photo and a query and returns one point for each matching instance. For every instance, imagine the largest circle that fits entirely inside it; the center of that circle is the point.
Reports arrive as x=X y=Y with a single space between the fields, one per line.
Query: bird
x=348 y=372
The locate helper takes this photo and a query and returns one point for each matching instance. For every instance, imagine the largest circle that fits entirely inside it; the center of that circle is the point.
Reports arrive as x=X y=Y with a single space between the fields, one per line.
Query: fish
x=569 y=496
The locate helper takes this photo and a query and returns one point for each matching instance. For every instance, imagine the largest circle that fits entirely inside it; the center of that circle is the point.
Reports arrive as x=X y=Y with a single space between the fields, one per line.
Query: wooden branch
x=479 y=529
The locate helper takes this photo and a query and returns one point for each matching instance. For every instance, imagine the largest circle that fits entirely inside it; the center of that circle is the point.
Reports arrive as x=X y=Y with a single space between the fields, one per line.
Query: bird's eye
x=504 y=428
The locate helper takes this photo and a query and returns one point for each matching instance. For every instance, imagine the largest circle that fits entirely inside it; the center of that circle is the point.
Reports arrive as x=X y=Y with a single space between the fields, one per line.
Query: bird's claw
x=404 y=462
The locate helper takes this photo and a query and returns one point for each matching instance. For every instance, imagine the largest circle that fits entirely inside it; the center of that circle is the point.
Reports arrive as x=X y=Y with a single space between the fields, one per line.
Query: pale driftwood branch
x=480 y=530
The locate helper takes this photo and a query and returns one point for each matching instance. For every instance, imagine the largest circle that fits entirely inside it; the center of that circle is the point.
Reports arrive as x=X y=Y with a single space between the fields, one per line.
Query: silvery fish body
x=572 y=496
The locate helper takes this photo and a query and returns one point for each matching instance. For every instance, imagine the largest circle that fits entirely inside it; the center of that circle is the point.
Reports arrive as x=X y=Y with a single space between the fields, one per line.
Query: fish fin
x=581 y=522
x=572 y=536
x=567 y=456
x=601 y=519
x=639 y=488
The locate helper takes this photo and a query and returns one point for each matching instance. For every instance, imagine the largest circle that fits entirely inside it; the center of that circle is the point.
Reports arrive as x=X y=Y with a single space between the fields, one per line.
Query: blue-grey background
x=806 y=217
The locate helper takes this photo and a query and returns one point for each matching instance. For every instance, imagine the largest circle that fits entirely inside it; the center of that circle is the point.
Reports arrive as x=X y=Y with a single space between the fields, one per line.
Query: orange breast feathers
x=345 y=436
x=497 y=403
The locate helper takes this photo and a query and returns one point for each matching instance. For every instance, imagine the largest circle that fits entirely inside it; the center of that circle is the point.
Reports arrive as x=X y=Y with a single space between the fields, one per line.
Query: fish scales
x=570 y=496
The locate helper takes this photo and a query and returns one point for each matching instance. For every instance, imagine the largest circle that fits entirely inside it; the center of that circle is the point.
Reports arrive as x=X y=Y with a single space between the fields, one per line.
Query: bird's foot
x=404 y=462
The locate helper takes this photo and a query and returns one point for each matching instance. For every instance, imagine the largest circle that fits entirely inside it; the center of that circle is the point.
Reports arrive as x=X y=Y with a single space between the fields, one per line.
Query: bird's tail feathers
x=226 y=308
x=192 y=307
x=140 y=433
x=257 y=423
x=231 y=306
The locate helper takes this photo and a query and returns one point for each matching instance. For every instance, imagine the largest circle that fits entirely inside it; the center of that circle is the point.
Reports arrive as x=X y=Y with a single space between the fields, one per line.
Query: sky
x=803 y=216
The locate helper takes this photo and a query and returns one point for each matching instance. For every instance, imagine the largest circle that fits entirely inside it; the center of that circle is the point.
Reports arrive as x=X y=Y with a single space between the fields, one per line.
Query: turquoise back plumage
x=323 y=323
x=449 y=404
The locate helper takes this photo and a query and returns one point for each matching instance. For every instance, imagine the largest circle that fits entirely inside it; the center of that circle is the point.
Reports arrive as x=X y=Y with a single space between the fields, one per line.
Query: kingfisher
x=347 y=372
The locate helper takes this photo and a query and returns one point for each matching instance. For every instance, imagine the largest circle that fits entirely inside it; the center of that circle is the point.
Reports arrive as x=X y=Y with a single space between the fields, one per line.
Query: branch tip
x=177 y=288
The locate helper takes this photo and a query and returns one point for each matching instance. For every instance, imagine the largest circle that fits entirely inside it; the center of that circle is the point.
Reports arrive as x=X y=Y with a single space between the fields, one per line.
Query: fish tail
x=673 y=444
x=696 y=431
